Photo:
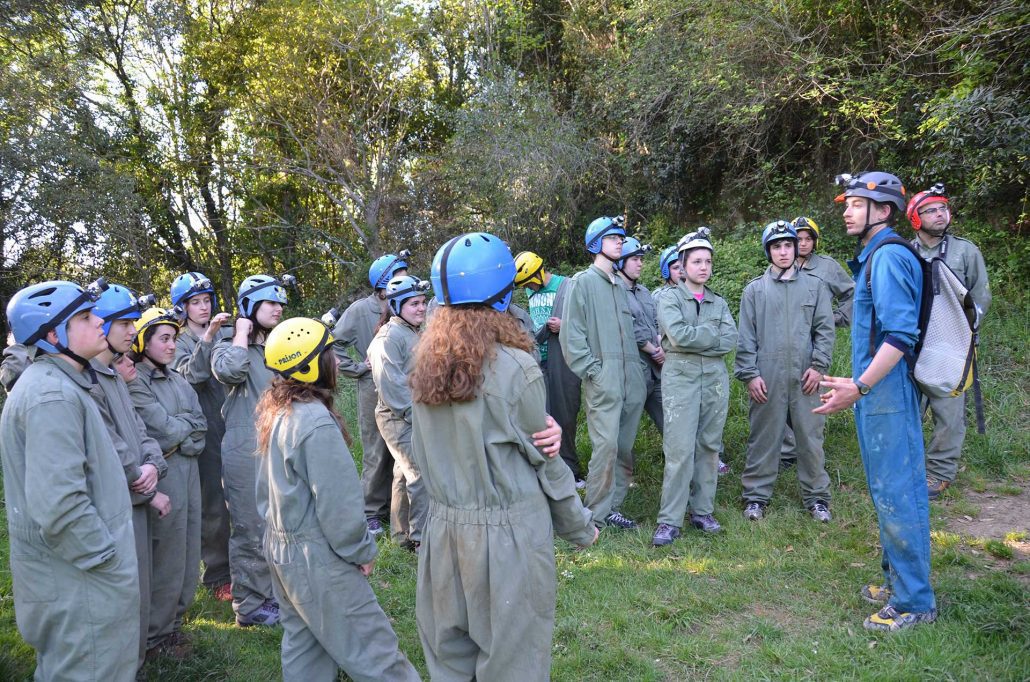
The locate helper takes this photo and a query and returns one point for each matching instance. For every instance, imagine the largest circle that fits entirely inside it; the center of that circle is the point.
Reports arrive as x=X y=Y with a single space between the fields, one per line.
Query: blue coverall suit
x=888 y=421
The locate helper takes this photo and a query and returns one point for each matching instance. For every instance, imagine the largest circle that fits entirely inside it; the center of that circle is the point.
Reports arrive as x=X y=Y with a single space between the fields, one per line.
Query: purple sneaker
x=724 y=468
x=664 y=535
x=267 y=615
x=706 y=523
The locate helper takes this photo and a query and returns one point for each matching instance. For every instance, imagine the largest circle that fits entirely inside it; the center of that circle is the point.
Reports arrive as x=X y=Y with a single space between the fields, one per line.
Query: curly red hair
x=456 y=343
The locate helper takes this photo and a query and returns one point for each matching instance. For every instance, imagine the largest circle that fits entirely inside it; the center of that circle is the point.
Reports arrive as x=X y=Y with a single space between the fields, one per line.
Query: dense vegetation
x=139 y=138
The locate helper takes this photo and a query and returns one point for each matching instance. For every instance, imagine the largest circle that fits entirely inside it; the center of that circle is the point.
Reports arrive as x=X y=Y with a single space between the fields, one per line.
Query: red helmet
x=935 y=193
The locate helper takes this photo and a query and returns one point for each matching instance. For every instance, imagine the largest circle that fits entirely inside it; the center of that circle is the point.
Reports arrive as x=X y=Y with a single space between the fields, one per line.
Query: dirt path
x=998 y=516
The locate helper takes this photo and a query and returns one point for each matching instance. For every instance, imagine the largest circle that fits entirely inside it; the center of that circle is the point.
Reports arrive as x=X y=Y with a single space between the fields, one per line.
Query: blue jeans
x=891 y=440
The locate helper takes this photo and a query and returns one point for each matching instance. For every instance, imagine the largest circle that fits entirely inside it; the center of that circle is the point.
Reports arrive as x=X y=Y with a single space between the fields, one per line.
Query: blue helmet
x=400 y=289
x=776 y=231
x=476 y=267
x=36 y=310
x=601 y=228
x=631 y=247
x=667 y=258
x=117 y=303
x=191 y=284
x=383 y=268
x=257 y=288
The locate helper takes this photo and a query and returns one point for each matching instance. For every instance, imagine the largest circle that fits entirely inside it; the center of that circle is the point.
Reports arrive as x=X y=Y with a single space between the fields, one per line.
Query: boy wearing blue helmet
x=69 y=519
x=599 y=346
x=784 y=346
x=194 y=295
x=486 y=575
x=355 y=329
x=239 y=363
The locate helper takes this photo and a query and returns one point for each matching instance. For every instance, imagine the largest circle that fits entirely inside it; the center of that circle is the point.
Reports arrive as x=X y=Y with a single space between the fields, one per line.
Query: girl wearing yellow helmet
x=316 y=540
x=169 y=408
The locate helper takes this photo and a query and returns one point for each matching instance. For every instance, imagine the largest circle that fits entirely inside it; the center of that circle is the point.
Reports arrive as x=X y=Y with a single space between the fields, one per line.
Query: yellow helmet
x=152 y=317
x=529 y=268
x=803 y=223
x=293 y=347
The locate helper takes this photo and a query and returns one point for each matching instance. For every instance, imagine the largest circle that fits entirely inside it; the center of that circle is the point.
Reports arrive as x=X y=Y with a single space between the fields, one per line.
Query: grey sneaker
x=754 y=511
x=888 y=619
x=820 y=511
x=617 y=520
x=706 y=523
x=664 y=535
x=375 y=526
x=267 y=615
x=876 y=594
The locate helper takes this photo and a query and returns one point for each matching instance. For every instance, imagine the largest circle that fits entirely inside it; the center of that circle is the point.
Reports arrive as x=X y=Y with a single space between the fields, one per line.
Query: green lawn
x=775 y=599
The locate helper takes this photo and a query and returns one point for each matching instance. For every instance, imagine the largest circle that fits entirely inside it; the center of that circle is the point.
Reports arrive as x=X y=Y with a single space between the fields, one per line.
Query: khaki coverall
x=949 y=414
x=135 y=448
x=696 y=337
x=243 y=372
x=786 y=326
x=315 y=539
x=16 y=358
x=193 y=362
x=486 y=573
x=842 y=289
x=392 y=356
x=356 y=329
x=598 y=344
x=564 y=388
x=643 y=308
x=171 y=410
x=69 y=519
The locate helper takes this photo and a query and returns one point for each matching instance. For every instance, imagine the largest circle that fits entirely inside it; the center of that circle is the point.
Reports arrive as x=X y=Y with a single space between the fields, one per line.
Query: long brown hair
x=456 y=343
x=280 y=395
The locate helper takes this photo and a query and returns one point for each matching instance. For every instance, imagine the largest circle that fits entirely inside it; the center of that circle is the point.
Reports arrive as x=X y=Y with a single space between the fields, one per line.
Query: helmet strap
x=64 y=350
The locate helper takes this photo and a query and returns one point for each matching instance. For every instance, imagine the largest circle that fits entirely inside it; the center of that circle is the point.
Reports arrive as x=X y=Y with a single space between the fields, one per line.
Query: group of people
x=138 y=441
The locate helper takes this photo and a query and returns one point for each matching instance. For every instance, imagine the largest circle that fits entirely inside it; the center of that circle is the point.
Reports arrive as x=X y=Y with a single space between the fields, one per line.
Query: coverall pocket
x=888 y=397
x=33 y=576
x=295 y=580
x=808 y=311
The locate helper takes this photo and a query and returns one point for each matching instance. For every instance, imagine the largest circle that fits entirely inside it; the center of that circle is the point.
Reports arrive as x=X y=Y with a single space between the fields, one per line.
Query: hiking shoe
x=876 y=594
x=754 y=511
x=724 y=468
x=888 y=619
x=664 y=535
x=375 y=527
x=787 y=462
x=267 y=615
x=617 y=520
x=706 y=523
x=222 y=592
x=820 y=511
x=935 y=486
x=581 y=484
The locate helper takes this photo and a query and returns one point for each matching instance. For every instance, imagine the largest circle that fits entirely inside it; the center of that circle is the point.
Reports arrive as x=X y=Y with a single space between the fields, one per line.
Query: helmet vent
x=44 y=292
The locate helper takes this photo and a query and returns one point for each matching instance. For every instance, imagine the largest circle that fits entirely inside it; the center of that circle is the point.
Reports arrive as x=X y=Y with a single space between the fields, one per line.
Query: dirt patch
x=998 y=516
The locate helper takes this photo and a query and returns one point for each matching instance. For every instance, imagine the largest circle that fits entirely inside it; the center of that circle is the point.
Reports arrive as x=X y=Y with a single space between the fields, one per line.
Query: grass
x=776 y=599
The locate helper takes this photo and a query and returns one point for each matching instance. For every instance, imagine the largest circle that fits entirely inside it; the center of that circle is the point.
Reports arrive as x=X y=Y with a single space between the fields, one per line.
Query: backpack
x=943 y=363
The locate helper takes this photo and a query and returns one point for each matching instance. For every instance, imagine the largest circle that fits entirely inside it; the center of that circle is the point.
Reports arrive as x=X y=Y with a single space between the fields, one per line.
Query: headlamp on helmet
x=929 y=196
x=777 y=231
x=153 y=317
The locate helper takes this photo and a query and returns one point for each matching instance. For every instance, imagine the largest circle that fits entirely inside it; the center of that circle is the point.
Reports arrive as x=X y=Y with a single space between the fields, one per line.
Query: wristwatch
x=863 y=389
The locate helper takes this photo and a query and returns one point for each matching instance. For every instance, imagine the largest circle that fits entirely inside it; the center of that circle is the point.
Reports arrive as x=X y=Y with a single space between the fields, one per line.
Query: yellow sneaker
x=888 y=619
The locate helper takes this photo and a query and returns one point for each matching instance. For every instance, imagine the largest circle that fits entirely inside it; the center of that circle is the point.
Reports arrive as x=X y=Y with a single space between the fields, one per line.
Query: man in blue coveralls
x=886 y=400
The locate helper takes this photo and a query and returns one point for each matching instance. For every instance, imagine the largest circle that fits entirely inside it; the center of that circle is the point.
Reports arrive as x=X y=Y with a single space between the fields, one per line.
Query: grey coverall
x=645 y=329
x=598 y=344
x=696 y=337
x=69 y=519
x=949 y=414
x=243 y=372
x=193 y=362
x=842 y=289
x=171 y=410
x=392 y=357
x=355 y=329
x=315 y=539
x=16 y=358
x=786 y=326
x=486 y=574
x=135 y=448
x=564 y=388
